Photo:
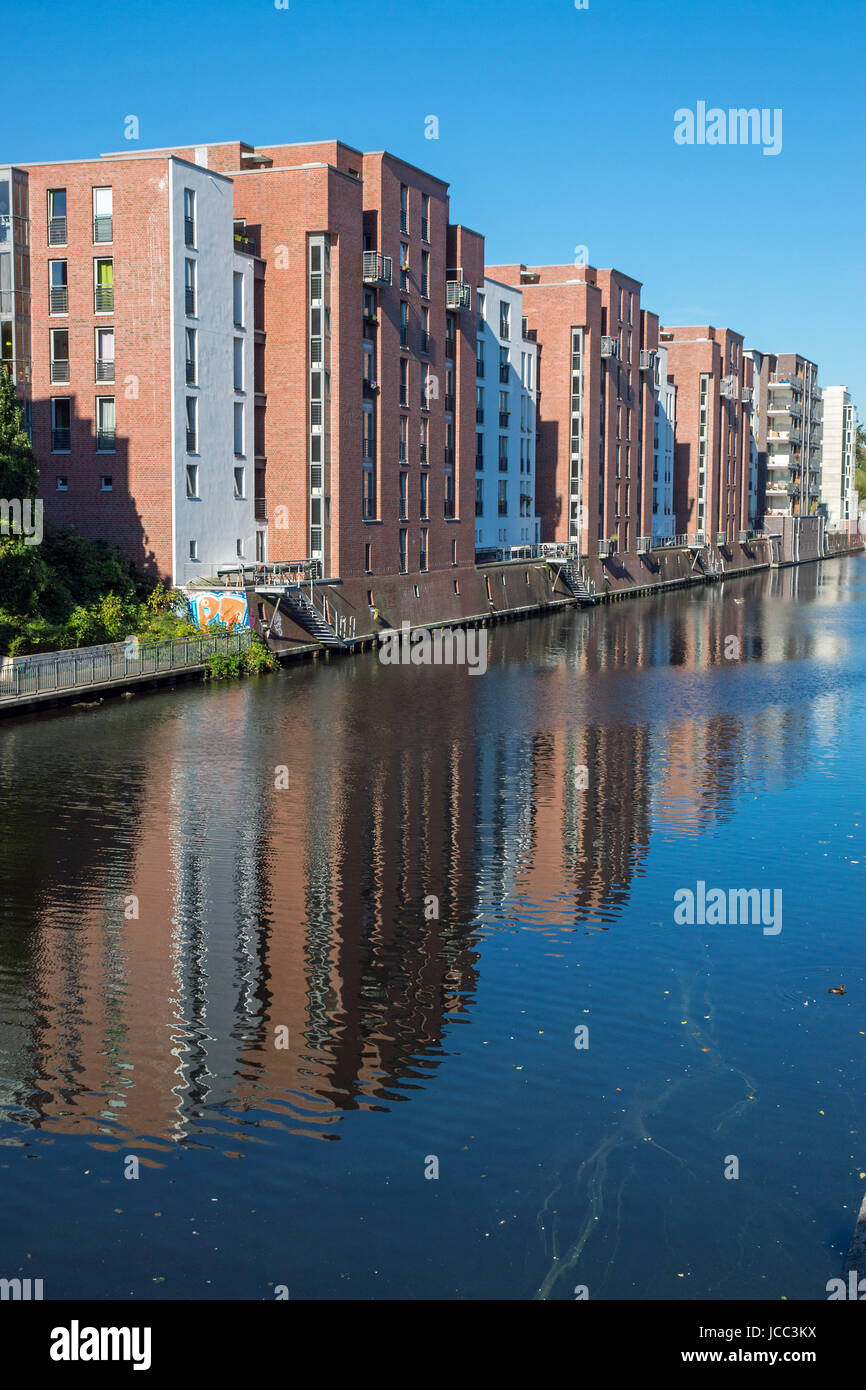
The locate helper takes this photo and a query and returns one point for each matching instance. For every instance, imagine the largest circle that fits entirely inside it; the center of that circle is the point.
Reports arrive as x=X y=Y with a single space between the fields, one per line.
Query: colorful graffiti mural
x=220 y=606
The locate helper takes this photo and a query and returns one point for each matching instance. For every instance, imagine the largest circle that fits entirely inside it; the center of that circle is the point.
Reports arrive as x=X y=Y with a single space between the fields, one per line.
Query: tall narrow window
x=61 y=420
x=404 y=495
x=59 y=355
x=105 y=424
x=404 y=268
x=425 y=216
x=189 y=283
x=239 y=364
x=104 y=354
x=191 y=425
x=103 y=221
x=424 y=480
x=103 y=288
x=239 y=429
x=238 y=284
x=58 y=288
x=57 y=217
x=192 y=480
x=404 y=324
x=189 y=217
x=404 y=208
x=504 y=319
x=191 y=356
x=404 y=550
x=425 y=274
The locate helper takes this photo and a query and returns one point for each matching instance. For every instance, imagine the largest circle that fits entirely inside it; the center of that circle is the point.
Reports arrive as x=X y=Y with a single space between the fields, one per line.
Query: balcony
x=457 y=296
x=606 y=549
x=609 y=346
x=103 y=299
x=377 y=269
x=728 y=387
x=644 y=543
x=60 y=370
x=646 y=362
x=103 y=229
x=57 y=231
x=60 y=439
x=58 y=299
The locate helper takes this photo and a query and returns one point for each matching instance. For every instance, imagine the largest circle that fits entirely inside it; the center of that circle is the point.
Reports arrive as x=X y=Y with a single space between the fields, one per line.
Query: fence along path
x=87 y=668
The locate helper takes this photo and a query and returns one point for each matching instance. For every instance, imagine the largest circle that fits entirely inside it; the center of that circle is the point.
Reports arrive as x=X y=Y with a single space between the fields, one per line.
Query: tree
x=19 y=473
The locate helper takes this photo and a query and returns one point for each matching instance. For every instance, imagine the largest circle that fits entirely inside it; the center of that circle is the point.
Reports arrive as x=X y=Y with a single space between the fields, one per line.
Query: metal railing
x=103 y=299
x=103 y=229
x=104 y=369
x=189 y=300
x=60 y=438
x=189 y=231
x=46 y=673
x=57 y=231
x=278 y=572
x=58 y=299
x=60 y=370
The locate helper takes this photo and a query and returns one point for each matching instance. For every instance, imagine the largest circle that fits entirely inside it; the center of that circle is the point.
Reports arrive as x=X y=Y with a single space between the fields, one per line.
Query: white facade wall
x=838 y=489
x=514 y=483
x=220 y=523
x=664 y=438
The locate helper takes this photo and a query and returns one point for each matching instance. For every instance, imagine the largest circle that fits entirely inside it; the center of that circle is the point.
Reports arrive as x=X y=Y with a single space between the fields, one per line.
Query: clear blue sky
x=555 y=128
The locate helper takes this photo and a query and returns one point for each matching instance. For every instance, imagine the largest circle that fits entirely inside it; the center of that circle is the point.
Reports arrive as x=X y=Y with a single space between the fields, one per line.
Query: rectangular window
x=57 y=217
x=404 y=268
x=238 y=299
x=503 y=365
x=239 y=429
x=423 y=505
x=425 y=216
x=368 y=557
x=454 y=562
x=503 y=496
x=189 y=286
x=193 y=550
x=189 y=217
x=479 y=368
x=191 y=356
x=368 y=495
x=449 y=494
x=58 y=288
x=59 y=338
x=479 y=496
x=191 y=425
x=239 y=548
x=61 y=420
x=103 y=224
x=504 y=319
x=422 y=555
x=103 y=286
x=240 y=482
x=404 y=438
x=104 y=354
x=404 y=208
x=479 y=451
x=404 y=496
x=238 y=364
x=62 y=483
x=105 y=424
x=425 y=274
x=425 y=386
x=404 y=324
x=404 y=381
x=425 y=329
x=404 y=549
x=504 y=412
x=503 y=453
x=106 y=482
x=192 y=480
x=424 y=438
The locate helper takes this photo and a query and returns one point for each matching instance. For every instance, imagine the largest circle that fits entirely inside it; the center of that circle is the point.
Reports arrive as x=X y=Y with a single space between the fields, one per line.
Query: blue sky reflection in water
x=303 y=908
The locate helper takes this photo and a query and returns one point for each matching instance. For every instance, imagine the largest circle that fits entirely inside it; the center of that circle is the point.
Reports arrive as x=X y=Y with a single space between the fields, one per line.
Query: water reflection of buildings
x=303 y=908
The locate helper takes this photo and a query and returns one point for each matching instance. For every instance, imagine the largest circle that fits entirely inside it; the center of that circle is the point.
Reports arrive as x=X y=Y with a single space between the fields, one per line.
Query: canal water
x=373 y=974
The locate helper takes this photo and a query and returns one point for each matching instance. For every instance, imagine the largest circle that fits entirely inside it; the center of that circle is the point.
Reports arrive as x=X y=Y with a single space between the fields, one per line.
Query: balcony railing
x=103 y=299
x=425 y=229
x=189 y=231
x=189 y=301
x=479 y=415
x=60 y=369
x=449 y=454
x=425 y=342
x=368 y=508
x=190 y=372
x=103 y=229
x=449 y=509
x=377 y=269
x=105 y=441
x=504 y=372
x=58 y=299
x=404 y=222
x=104 y=369
x=60 y=438
x=192 y=441
x=504 y=416
x=57 y=231
x=458 y=295
x=423 y=453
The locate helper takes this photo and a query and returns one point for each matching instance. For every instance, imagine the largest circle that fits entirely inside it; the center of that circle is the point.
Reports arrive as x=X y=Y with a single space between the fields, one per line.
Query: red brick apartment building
x=714 y=382
x=246 y=353
x=789 y=407
x=594 y=456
